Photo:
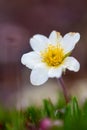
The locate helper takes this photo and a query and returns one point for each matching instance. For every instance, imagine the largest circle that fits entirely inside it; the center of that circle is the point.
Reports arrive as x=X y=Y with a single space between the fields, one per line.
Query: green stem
x=64 y=89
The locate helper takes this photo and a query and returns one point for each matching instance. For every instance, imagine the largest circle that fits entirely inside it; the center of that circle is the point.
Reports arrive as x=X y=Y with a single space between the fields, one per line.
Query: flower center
x=53 y=55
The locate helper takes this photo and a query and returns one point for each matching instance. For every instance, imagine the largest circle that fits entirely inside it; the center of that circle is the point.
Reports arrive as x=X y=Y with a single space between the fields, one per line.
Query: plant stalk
x=64 y=88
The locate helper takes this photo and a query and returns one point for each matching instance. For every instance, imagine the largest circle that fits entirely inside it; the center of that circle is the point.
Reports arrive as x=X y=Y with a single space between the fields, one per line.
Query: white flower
x=50 y=56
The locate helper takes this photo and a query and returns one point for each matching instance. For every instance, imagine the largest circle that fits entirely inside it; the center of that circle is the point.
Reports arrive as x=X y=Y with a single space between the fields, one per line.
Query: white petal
x=55 y=72
x=55 y=37
x=39 y=42
x=69 y=41
x=31 y=59
x=71 y=64
x=39 y=76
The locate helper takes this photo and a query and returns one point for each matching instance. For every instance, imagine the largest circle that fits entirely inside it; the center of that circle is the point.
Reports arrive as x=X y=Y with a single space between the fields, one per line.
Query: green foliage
x=48 y=109
x=72 y=116
x=16 y=122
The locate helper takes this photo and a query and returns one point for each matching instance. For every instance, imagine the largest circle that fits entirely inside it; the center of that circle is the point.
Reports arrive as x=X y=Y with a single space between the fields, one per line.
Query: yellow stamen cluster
x=53 y=55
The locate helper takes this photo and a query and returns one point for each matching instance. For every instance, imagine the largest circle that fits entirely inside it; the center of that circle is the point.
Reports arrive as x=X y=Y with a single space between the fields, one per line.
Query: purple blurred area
x=21 y=19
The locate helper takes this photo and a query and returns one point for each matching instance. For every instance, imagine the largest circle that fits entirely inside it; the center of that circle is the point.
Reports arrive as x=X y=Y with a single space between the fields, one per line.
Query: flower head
x=50 y=56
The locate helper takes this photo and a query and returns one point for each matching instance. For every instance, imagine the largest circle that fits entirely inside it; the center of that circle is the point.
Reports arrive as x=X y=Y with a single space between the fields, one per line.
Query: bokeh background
x=20 y=20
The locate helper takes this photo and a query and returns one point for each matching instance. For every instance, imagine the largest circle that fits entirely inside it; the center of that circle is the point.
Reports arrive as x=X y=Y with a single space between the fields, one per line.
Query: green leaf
x=49 y=109
x=33 y=114
x=72 y=115
x=3 y=114
x=17 y=121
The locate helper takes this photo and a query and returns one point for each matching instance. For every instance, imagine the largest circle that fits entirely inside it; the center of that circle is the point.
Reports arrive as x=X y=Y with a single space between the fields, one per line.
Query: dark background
x=20 y=20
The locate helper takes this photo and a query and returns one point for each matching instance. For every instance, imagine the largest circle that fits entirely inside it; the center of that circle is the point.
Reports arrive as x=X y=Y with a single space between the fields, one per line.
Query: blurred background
x=20 y=20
